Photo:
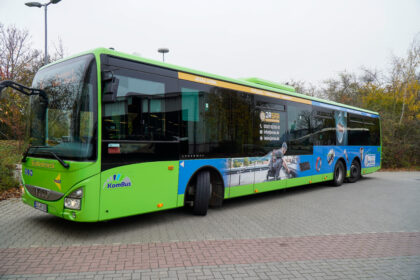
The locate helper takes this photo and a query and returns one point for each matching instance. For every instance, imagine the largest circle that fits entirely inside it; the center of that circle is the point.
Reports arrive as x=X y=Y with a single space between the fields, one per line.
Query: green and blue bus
x=113 y=135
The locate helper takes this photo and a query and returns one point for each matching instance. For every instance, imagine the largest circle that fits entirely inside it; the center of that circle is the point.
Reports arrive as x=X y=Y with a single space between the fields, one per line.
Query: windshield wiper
x=64 y=164
x=25 y=155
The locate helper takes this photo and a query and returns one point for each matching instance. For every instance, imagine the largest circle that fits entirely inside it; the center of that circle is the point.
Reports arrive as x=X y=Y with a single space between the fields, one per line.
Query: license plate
x=40 y=206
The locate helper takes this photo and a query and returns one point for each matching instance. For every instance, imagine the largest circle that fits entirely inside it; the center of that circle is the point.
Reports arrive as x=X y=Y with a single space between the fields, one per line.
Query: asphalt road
x=381 y=205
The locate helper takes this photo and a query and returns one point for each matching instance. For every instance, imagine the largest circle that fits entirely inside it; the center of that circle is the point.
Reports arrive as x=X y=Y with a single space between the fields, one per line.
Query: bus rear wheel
x=338 y=174
x=355 y=172
x=202 y=193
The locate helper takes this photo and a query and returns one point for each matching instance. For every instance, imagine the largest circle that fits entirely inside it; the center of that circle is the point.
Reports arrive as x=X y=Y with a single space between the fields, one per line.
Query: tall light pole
x=163 y=51
x=39 y=5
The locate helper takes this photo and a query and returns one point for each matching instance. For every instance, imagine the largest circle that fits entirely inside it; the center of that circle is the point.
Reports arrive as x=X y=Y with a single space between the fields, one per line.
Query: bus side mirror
x=110 y=87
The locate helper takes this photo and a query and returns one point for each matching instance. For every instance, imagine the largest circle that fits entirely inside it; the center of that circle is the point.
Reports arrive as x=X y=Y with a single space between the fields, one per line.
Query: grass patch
x=10 y=155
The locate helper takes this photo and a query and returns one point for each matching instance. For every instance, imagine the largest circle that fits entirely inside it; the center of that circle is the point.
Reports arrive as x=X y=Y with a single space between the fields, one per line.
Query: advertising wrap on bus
x=255 y=170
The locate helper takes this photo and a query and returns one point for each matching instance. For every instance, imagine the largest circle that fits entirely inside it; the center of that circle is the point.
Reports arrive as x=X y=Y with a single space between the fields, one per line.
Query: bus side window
x=205 y=120
x=145 y=109
x=142 y=124
x=299 y=127
x=323 y=127
x=375 y=132
x=269 y=125
x=363 y=131
x=358 y=132
x=241 y=123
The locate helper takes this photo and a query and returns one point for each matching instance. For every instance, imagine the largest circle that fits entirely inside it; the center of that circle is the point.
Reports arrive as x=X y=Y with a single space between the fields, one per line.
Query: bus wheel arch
x=197 y=186
x=355 y=170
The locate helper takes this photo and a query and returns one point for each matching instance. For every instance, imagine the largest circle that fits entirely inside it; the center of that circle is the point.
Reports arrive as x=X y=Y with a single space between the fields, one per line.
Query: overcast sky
x=273 y=40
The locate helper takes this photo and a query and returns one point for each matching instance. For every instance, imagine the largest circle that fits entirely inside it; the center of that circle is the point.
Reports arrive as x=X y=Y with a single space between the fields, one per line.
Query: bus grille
x=44 y=194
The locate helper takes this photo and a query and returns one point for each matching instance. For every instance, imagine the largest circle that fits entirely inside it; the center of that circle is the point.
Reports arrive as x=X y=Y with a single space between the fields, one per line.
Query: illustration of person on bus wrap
x=277 y=162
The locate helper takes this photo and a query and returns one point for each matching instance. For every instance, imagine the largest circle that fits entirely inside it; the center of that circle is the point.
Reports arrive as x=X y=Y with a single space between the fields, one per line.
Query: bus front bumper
x=88 y=211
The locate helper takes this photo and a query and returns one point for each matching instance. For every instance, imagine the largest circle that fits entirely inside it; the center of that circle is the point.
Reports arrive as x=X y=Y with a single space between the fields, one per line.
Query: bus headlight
x=74 y=199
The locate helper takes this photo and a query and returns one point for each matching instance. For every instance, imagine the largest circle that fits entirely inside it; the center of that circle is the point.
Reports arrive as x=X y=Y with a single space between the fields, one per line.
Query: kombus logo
x=116 y=181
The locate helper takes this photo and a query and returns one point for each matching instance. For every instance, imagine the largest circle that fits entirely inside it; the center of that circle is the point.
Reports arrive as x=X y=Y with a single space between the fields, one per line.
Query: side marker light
x=160 y=205
x=170 y=167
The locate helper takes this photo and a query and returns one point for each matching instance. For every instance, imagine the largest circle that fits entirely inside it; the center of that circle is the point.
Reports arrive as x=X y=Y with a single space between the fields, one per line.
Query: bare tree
x=18 y=62
x=16 y=55
x=60 y=51
x=304 y=88
x=344 y=89
x=371 y=76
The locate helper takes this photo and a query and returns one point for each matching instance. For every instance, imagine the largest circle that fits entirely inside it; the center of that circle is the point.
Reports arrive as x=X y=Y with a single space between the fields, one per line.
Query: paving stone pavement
x=71 y=259
x=396 y=268
x=373 y=224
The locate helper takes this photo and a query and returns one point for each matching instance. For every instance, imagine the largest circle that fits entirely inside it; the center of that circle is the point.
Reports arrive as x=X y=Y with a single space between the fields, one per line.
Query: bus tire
x=202 y=193
x=355 y=172
x=338 y=174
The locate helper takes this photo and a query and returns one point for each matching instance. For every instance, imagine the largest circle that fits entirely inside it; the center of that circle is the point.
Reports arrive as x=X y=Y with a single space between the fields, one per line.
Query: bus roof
x=250 y=82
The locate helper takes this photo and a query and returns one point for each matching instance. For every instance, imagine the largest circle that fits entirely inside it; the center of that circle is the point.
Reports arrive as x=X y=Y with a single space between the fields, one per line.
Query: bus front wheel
x=338 y=174
x=202 y=193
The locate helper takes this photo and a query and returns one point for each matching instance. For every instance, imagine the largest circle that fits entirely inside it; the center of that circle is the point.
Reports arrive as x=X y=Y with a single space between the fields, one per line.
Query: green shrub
x=7 y=179
x=10 y=155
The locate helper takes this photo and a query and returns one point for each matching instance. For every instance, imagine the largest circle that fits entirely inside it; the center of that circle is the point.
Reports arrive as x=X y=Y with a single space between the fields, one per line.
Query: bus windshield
x=65 y=125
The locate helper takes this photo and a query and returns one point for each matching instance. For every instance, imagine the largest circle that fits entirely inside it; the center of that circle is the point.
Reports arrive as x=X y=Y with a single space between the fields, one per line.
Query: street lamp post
x=163 y=51
x=39 y=5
